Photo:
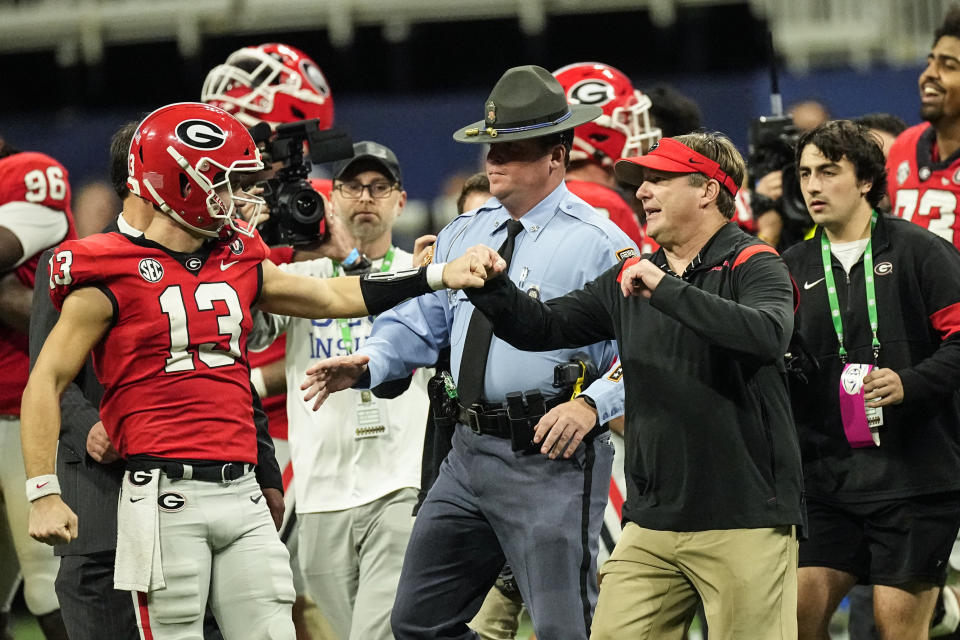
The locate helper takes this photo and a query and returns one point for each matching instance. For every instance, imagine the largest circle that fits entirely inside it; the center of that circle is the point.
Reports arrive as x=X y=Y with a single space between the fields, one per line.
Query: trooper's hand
x=52 y=521
x=563 y=428
x=99 y=446
x=423 y=250
x=478 y=264
x=332 y=375
x=640 y=279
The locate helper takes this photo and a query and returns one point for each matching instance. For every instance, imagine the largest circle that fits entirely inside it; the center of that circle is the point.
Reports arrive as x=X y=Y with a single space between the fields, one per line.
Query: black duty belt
x=493 y=419
x=207 y=471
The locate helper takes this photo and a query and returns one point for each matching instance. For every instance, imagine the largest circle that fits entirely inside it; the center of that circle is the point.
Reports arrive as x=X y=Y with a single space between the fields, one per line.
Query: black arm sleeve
x=268 y=470
x=382 y=291
x=79 y=412
x=579 y=318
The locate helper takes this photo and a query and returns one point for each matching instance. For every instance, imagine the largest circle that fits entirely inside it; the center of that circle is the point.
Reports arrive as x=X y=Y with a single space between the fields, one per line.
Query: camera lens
x=308 y=208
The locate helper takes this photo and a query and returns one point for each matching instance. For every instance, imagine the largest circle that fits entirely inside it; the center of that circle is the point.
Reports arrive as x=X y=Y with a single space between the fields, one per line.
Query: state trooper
x=501 y=496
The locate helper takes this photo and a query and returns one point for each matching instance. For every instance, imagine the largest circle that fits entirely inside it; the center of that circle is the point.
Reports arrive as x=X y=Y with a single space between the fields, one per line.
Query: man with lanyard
x=499 y=496
x=876 y=400
x=357 y=461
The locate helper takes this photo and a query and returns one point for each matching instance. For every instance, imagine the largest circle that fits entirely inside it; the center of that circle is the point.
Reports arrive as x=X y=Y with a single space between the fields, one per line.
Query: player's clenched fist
x=478 y=264
x=52 y=521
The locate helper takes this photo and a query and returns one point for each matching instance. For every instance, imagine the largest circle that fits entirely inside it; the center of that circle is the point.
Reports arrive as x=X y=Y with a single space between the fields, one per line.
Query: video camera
x=296 y=209
x=773 y=140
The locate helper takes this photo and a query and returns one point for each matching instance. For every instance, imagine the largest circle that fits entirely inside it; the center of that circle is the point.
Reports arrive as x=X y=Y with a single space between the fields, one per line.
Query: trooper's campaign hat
x=527 y=102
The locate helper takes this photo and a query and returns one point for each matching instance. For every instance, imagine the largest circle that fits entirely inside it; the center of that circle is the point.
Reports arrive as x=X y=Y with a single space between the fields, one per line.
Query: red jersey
x=173 y=364
x=922 y=187
x=609 y=203
x=38 y=179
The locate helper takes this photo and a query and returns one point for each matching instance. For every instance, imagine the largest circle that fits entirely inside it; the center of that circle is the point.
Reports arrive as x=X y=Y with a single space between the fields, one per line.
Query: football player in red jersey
x=622 y=130
x=34 y=214
x=923 y=166
x=166 y=317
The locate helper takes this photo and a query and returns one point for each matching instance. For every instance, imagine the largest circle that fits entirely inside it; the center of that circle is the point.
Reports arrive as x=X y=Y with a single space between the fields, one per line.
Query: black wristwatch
x=590 y=401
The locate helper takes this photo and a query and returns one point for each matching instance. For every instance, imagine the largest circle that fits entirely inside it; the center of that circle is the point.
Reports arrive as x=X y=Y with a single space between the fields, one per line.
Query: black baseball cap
x=368 y=151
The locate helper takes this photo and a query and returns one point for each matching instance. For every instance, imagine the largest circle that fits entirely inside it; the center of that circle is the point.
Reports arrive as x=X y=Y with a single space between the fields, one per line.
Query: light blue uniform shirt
x=565 y=243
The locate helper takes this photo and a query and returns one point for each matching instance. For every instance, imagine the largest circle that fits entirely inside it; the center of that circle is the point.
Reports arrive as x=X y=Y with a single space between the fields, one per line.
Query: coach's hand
x=331 y=375
x=274 y=500
x=99 y=446
x=564 y=427
x=52 y=521
x=640 y=279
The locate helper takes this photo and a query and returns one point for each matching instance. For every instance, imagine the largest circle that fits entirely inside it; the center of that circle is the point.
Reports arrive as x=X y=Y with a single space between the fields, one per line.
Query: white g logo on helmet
x=591 y=91
x=200 y=134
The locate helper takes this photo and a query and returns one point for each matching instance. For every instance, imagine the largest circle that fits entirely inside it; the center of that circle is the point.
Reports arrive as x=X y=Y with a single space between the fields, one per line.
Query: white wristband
x=256 y=379
x=435 y=275
x=42 y=486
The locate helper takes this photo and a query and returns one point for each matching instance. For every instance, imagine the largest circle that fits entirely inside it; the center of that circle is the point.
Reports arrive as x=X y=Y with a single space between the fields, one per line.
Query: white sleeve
x=35 y=226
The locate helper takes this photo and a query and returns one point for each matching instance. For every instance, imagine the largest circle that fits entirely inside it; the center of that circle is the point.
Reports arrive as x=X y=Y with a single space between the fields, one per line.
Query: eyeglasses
x=354 y=190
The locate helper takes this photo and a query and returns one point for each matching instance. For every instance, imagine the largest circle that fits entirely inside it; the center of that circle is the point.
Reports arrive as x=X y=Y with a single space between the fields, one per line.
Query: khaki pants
x=747 y=579
x=499 y=617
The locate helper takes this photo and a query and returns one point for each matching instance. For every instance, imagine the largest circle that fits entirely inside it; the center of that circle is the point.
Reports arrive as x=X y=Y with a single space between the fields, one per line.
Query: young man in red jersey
x=923 y=167
x=166 y=316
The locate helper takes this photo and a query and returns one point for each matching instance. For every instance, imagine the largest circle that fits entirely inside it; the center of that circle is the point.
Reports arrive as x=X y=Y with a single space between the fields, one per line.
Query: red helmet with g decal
x=184 y=157
x=623 y=130
x=273 y=83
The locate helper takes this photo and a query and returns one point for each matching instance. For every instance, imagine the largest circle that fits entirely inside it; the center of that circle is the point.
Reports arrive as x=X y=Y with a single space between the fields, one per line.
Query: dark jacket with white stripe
x=710 y=441
x=917 y=280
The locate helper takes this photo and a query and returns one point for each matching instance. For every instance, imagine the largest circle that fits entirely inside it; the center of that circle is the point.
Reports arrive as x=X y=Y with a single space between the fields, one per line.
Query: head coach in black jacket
x=89 y=470
x=712 y=462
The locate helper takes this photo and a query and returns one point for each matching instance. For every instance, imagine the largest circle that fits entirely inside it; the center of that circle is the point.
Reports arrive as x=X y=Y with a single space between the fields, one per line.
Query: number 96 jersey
x=924 y=189
x=174 y=362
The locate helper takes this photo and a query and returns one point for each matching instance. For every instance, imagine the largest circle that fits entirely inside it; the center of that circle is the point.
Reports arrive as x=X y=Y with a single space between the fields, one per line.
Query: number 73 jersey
x=922 y=190
x=174 y=362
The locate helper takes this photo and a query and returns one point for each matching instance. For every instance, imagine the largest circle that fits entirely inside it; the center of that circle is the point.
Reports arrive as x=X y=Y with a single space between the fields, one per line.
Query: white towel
x=138 y=565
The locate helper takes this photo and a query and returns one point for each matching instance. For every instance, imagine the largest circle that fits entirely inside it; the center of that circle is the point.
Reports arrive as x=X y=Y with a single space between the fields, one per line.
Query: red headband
x=672 y=157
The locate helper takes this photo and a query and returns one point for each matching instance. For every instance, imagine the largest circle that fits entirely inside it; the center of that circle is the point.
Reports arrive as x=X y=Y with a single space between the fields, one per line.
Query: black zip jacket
x=710 y=442
x=917 y=281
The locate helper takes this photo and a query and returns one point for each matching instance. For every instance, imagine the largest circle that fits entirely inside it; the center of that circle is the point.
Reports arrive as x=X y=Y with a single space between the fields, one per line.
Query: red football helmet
x=623 y=130
x=272 y=83
x=182 y=159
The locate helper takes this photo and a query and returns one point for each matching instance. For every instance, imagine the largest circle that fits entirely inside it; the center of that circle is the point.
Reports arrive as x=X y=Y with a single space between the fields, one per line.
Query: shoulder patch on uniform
x=623 y=254
x=616 y=374
x=751 y=251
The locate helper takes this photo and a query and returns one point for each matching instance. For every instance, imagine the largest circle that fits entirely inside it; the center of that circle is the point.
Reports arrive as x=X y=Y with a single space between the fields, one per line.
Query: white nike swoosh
x=226 y=265
x=808 y=285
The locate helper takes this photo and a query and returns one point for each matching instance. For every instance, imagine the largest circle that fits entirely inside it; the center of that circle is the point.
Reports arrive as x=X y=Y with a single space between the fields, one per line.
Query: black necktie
x=476 y=346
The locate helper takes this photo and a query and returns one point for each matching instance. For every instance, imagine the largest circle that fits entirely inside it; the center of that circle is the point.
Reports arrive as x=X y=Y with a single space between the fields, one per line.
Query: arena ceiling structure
x=97 y=52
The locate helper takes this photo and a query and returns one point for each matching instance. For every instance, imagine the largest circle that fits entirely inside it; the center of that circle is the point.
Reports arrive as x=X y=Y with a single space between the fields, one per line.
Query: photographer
x=779 y=213
x=357 y=461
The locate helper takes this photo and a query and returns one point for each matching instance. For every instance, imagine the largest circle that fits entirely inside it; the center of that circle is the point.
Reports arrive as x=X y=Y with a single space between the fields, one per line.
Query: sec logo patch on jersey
x=151 y=270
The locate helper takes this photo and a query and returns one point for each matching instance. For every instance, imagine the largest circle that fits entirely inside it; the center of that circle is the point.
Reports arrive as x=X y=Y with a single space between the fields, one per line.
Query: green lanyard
x=871 y=291
x=344 y=324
